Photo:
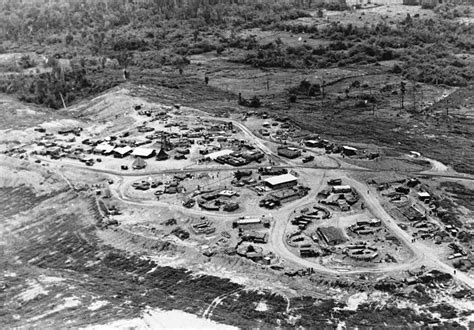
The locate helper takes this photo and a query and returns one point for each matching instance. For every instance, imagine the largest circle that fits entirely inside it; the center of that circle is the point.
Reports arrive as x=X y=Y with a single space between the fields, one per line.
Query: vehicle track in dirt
x=421 y=255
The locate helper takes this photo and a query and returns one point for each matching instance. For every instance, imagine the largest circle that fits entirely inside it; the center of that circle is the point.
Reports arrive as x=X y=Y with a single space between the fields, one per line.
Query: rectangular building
x=331 y=235
x=349 y=151
x=289 y=152
x=281 y=181
x=341 y=189
x=143 y=152
x=122 y=152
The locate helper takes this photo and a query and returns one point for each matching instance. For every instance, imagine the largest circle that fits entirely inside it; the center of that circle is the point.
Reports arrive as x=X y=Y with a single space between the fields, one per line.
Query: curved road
x=421 y=253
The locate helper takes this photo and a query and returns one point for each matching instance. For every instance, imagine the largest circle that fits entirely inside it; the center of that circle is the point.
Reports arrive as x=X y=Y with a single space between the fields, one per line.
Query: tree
x=124 y=58
x=195 y=35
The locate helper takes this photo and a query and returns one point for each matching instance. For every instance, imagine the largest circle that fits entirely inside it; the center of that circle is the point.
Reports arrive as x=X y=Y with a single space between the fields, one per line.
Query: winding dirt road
x=313 y=176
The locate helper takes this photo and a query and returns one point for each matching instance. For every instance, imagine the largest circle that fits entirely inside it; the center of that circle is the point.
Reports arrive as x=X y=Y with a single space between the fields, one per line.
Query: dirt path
x=277 y=242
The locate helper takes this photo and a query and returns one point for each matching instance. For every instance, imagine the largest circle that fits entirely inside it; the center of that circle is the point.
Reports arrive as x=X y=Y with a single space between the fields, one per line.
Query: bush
x=361 y=104
x=396 y=69
x=26 y=62
x=253 y=103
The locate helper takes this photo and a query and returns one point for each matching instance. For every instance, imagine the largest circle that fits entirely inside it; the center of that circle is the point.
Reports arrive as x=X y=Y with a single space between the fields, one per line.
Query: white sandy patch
x=69 y=302
x=58 y=124
x=158 y=319
x=437 y=166
x=11 y=137
x=34 y=290
x=215 y=270
x=50 y=279
x=355 y=300
x=26 y=112
x=164 y=260
x=261 y=307
x=10 y=274
x=97 y=305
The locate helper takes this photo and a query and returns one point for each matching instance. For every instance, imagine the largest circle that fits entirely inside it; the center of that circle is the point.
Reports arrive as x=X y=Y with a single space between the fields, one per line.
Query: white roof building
x=105 y=148
x=123 y=150
x=341 y=189
x=248 y=221
x=349 y=148
x=227 y=193
x=216 y=154
x=423 y=194
x=143 y=152
x=280 y=179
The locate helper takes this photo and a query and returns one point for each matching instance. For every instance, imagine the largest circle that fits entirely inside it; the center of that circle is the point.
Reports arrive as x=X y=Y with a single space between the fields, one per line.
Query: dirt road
x=312 y=176
x=428 y=256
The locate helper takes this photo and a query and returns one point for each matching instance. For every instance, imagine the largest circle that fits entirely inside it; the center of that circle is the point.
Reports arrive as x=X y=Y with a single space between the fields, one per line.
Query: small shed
x=423 y=195
x=349 y=151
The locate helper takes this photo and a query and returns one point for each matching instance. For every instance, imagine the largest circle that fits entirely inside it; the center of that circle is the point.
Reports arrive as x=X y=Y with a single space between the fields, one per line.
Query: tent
x=138 y=163
x=162 y=155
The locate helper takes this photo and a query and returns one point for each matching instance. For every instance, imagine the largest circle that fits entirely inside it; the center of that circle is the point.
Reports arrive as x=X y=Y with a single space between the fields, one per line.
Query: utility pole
x=322 y=92
x=421 y=99
x=402 y=91
x=414 y=95
x=62 y=99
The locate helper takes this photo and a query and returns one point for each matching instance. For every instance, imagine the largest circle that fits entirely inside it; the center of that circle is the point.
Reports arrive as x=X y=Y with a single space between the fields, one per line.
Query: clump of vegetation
x=56 y=88
x=180 y=233
x=254 y=102
x=450 y=10
x=424 y=45
x=26 y=62
x=306 y=88
x=446 y=311
x=462 y=195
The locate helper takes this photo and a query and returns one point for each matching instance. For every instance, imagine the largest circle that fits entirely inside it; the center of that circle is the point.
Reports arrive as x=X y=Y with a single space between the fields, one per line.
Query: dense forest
x=100 y=38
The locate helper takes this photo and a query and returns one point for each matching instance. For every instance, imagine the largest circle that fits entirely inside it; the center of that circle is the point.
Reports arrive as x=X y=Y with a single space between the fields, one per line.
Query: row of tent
x=121 y=152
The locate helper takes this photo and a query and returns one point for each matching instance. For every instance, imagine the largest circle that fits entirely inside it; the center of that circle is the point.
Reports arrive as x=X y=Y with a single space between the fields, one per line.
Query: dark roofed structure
x=331 y=235
x=162 y=155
